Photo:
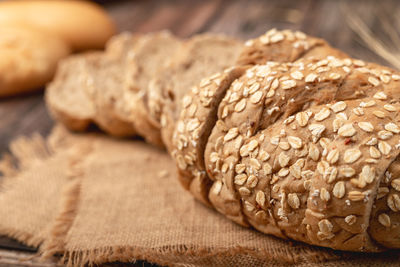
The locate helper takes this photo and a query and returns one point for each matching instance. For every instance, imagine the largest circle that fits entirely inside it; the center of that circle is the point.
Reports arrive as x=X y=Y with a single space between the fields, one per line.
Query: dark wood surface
x=25 y=115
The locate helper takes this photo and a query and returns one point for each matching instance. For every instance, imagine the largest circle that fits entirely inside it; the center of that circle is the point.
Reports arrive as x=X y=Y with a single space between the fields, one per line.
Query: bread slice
x=66 y=98
x=200 y=56
x=88 y=88
x=151 y=54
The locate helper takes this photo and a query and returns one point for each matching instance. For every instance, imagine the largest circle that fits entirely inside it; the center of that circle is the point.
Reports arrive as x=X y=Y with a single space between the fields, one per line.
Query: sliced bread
x=88 y=87
x=151 y=55
x=200 y=56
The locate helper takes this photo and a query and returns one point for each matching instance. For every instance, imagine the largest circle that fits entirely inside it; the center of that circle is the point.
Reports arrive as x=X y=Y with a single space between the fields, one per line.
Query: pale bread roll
x=28 y=59
x=83 y=25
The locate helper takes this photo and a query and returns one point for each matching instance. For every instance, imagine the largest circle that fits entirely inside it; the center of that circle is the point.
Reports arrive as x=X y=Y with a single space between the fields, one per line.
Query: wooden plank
x=21 y=258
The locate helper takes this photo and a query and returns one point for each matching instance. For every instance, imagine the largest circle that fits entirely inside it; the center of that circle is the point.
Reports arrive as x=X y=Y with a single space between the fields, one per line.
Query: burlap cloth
x=94 y=199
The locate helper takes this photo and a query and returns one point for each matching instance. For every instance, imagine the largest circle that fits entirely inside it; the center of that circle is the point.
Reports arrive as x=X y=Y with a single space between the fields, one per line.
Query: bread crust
x=302 y=150
x=81 y=24
x=28 y=59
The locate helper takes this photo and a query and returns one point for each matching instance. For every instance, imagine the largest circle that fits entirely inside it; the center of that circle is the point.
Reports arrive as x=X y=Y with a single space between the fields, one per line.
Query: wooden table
x=243 y=19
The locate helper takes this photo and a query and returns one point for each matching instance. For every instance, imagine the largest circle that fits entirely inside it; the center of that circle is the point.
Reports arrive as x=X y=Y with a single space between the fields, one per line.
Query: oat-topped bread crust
x=89 y=87
x=200 y=56
x=285 y=46
x=200 y=106
x=305 y=150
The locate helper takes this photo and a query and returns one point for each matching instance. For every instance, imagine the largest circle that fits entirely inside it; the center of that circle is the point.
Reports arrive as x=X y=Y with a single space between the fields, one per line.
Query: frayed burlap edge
x=173 y=256
x=25 y=151
x=69 y=204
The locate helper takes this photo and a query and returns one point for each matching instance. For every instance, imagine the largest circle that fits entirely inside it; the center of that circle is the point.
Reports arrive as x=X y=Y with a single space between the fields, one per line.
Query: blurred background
x=339 y=22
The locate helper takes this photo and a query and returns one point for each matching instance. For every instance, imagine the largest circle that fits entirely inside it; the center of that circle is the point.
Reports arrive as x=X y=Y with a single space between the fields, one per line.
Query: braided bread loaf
x=305 y=150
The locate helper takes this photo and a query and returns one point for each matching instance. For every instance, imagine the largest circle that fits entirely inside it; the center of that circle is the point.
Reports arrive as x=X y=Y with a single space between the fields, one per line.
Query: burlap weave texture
x=113 y=200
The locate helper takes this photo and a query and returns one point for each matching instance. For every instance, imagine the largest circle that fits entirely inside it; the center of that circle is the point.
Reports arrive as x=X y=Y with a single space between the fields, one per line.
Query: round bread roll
x=28 y=59
x=305 y=150
x=83 y=25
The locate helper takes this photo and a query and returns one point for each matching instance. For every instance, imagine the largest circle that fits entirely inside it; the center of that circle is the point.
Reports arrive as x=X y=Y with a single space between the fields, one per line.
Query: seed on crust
x=396 y=184
x=255 y=164
x=322 y=115
x=274 y=84
x=390 y=108
x=302 y=118
x=252 y=181
x=358 y=111
x=393 y=202
x=244 y=191
x=325 y=226
x=368 y=104
x=316 y=130
x=288 y=84
x=240 y=106
x=356 y=195
x=253 y=144
x=350 y=220
x=297 y=75
x=217 y=186
x=351 y=155
x=382 y=191
x=232 y=133
x=374 y=81
x=347 y=130
x=256 y=97
x=380 y=95
x=267 y=169
x=367 y=174
x=263 y=155
x=214 y=157
x=295 y=142
x=181 y=162
x=275 y=140
x=336 y=124
x=379 y=114
x=260 y=198
x=366 y=126
x=192 y=125
x=392 y=127
x=374 y=152
x=338 y=106
x=277 y=37
x=283 y=172
x=240 y=179
x=347 y=172
x=384 y=135
x=384 y=219
x=311 y=78
x=339 y=189
x=396 y=77
x=240 y=168
x=324 y=195
x=313 y=152
x=384 y=78
x=254 y=86
x=293 y=200
x=248 y=206
x=283 y=159
x=333 y=156
x=384 y=147
x=284 y=146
